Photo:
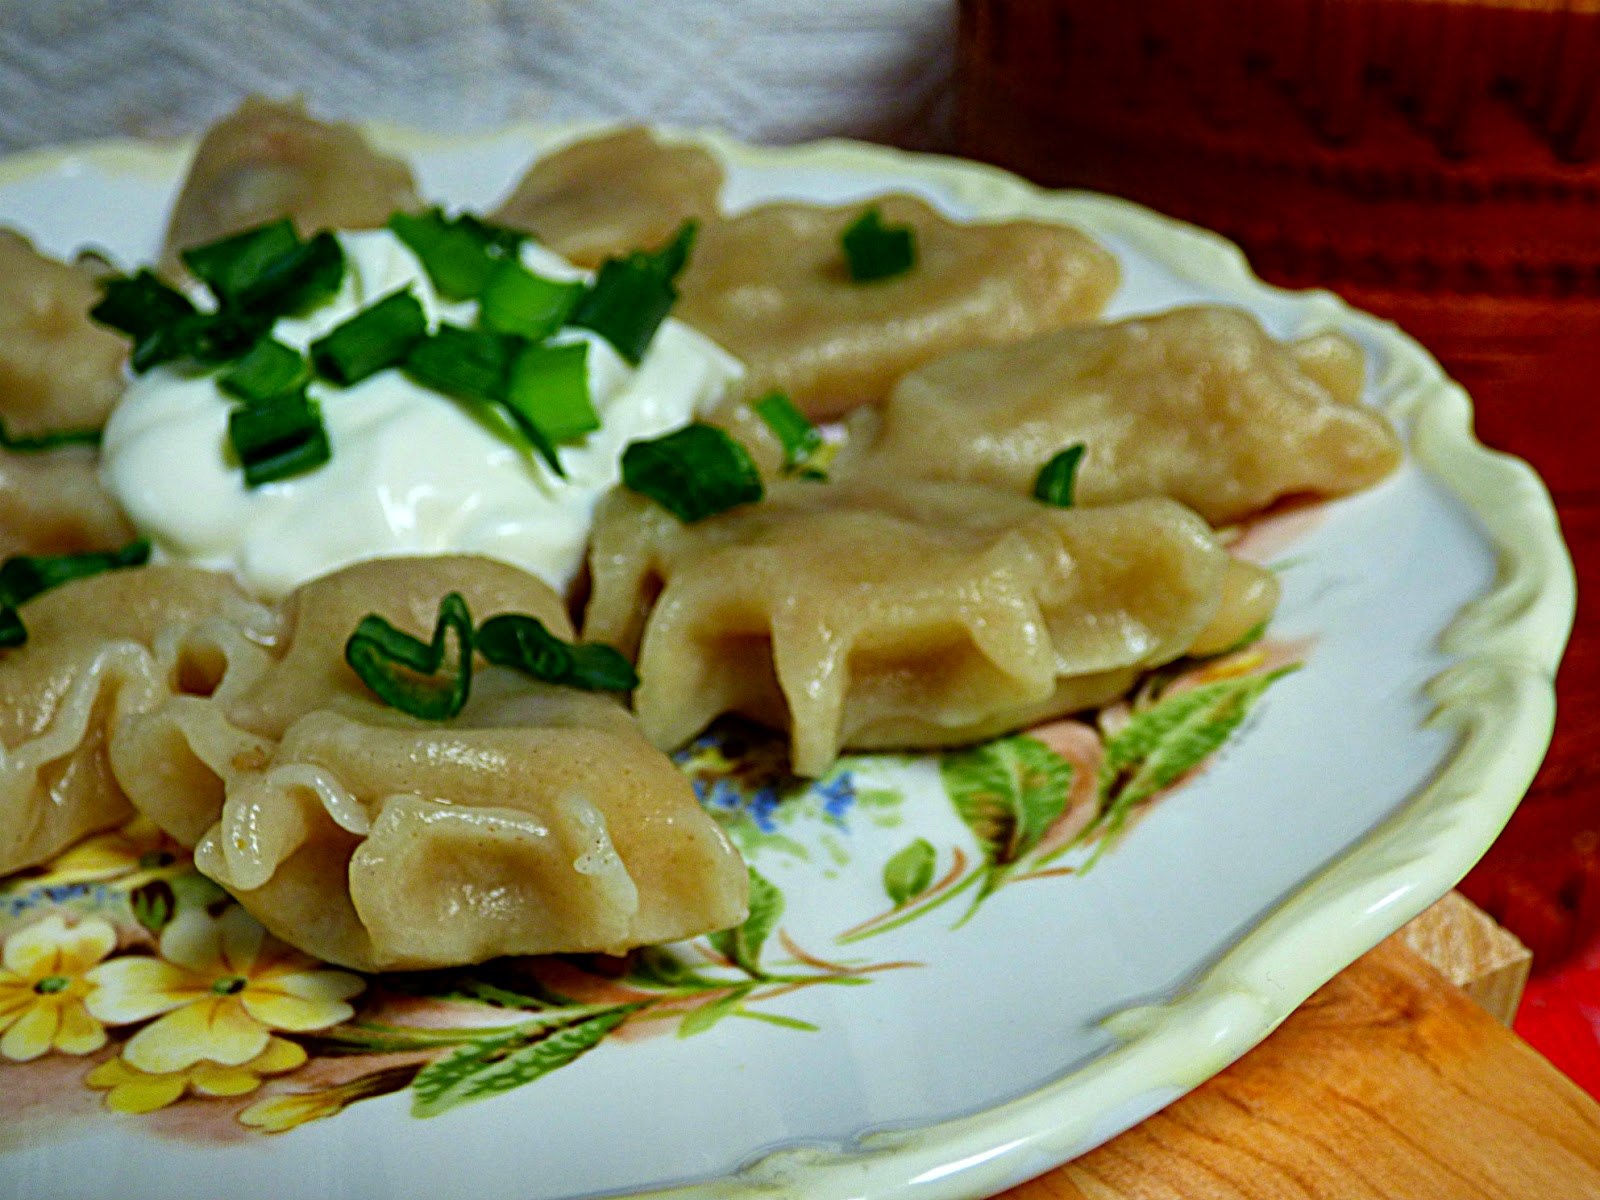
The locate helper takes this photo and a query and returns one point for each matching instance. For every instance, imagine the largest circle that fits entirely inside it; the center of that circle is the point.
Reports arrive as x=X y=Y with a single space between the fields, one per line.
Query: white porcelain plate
x=952 y=983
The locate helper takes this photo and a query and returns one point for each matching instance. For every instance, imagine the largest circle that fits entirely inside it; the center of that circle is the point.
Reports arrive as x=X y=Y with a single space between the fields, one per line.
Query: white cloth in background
x=765 y=70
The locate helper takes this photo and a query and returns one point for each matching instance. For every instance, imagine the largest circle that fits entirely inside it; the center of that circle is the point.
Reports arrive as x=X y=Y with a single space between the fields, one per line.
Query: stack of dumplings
x=914 y=595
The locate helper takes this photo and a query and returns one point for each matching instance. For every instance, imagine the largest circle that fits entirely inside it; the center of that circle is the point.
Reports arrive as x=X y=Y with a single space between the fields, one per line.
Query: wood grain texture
x=1482 y=960
x=1388 y=1083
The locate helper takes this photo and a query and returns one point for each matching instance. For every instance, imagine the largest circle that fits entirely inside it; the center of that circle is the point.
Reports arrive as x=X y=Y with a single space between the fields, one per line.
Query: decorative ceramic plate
x=961 y=969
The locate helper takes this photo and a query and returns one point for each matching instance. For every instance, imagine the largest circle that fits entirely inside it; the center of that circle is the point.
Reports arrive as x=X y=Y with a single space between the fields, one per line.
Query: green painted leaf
x=1171 y=738
x=153 y=904
x=704 y=1016
x=910 y=872
x=743 y=944
x=659 y=967
x=1009 y=792
x=495 y=1065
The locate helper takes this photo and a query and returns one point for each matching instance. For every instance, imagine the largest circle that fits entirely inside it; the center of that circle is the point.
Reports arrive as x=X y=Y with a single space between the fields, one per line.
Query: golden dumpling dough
x=772 y=286
x=91 y=660
x=607 y=195
x=268 y=160
x=58 y=369
x=870 y=613
x=537 y=821
x=1198 y=404
x=53 y=503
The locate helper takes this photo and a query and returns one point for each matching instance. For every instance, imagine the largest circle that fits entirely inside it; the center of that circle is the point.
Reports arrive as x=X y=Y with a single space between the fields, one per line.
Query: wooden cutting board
x=1390 y=1083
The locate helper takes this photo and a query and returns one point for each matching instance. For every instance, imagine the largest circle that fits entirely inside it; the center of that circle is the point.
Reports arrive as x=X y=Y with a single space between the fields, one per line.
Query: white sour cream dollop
x=412 y=472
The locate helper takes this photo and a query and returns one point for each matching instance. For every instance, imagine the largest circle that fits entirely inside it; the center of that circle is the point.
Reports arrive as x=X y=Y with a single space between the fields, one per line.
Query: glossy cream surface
x=412 y=471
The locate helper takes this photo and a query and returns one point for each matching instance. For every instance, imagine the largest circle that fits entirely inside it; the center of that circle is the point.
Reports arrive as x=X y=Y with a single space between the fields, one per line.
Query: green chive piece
x=549 y=387
x=295 y=281
x=22 y=577
x=798 y=436
x=379 y=336
x=233 y=265
x=268 y=370
x=406 y=673
x=632 y=295
x=218 y=337
x=278 y=440
x=474 y=367
x=523 y=643
x=876 y=251
x=1058 y=476
x=694 y=473
x=459 y=254
x=515 y=300
x=146 y=309
x=35 y=443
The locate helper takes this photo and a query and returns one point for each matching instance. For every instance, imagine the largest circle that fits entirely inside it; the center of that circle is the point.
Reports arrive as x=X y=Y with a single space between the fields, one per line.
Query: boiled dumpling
x=1198 y=404
x=267 y=160
x=53 y=503
x=874 y=613
x=772 y=286
x=607 y=195
x=537 y=821
x=94 y=655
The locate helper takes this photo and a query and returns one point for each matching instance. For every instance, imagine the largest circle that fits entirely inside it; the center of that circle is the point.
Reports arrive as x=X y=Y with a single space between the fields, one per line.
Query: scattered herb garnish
x=1057 y=477
x=269 y=370
x=234 y=265
x=874 y=251
x=549 y=388
x=379 y=336
x=409 y=674
x=147 y=310
x=633 y=294
x=35 y=443
x=694 y=473
x=279 y=438
x=798 y=436
x=523 y=642
x=23 y=577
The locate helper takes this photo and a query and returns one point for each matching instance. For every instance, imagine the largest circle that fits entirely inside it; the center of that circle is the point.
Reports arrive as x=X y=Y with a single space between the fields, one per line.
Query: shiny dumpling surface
x=607 y=195
x=772 y=286
x=539 y=820
x=870 y=614
x=53 y=502
x=1198 y=404
x=269 y=159
x=96 y=653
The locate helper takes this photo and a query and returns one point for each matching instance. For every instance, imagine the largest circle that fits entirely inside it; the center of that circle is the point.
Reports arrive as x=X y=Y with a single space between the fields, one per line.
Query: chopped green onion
x=233 y=265
x=26 y=444
x=694 y=473
x=220 y=336
x=146 y=309
x=474 y=366
x=632 y=295
x=379 y=336
x=549 y=387
x=405 y=673
x=876 y=251
x=1057 y=477
x=269 y=369
x=279 y=439
x=523 y=642
x=23 y=577
x=515 y=300
x=798 y=436
x=459 y=254
x=298 y=279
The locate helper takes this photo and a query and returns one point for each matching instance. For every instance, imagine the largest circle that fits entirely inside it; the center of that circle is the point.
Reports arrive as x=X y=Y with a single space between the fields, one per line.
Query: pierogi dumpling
x=870 y=613
x=53 y=503
x=607 y=195
x=772 y=286
x=58 y=369
x=268 y=160
x=95 y=654
x=539 y=820
x=1198 y=404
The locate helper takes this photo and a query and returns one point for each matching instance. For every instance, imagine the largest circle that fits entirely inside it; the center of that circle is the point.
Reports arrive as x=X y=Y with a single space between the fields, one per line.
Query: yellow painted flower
x=44 y=983
x=129 y=855
x=130 y=1090
x=279 y=1114
x=220 y=986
